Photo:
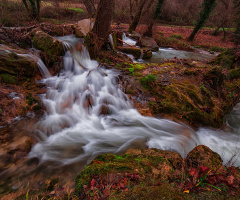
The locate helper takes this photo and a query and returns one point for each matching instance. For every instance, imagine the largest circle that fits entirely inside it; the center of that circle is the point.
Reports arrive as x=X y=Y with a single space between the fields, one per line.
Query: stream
x=87 y=114
x=164 y=54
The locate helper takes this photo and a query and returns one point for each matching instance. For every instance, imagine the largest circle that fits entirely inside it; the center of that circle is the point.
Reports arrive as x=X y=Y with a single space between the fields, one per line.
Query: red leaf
x=105 y=191
x=230 y=180
x=203 y=168
x=93 y=182
x=121 y=185
x=192 y=171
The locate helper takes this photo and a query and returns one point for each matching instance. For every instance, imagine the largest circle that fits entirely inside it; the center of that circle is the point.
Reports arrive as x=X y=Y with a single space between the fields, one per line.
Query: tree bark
x=208 y=7
x=89 y=4
x=102 y=26
x=137 y=17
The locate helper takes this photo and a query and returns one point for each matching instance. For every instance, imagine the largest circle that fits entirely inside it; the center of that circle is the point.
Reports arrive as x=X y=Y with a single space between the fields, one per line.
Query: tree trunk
x=204 y=15
x=158 y=11
x=25 y=4
x=89 y=4
x=102 y=26
x=137 y=17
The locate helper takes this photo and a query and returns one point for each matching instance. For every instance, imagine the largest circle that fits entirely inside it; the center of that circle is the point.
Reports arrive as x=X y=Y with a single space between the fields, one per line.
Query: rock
x=50 y=46
x=135 y=36
x=135 y=51
x=104 y=110
x=13 y=63
x=23 y=144
x=149 y=43
x=83 y=27
x=203 y=156
x=147 y=54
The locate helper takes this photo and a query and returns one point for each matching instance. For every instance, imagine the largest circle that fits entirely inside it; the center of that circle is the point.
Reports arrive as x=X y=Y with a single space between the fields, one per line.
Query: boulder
x=49 y=45
x=203 y=156
x=149 y=43
x=15 y=62
x=83 y=27
x=135 y=51
x=147 y=54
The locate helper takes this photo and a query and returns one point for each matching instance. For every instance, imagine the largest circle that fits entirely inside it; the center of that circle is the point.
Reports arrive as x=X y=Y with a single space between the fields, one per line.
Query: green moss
x=234 y=74
x=177 y=36
x=147 y=81
x=225 y=59
x=8 y=79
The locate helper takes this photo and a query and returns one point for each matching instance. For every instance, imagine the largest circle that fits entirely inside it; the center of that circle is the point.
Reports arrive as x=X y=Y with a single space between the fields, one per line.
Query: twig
x=125 y=42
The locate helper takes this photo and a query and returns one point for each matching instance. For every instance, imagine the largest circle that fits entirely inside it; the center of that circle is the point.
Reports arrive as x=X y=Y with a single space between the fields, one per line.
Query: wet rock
x=83 y=27
x=149 y=43
x=21 y=144
x=13 y=63
x=203 y=156
x=104 y=110
x=135 y=36
x=147 y=54
x=135 y=51
x=50 y=46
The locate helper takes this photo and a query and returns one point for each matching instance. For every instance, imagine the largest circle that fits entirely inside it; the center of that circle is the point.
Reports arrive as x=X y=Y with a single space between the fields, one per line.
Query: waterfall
x=87 y=114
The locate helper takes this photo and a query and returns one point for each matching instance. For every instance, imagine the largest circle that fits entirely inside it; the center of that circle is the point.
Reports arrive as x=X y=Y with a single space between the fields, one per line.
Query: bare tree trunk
x=89 y=4
x=25 y=4
x=137 y=17
x=102 y=26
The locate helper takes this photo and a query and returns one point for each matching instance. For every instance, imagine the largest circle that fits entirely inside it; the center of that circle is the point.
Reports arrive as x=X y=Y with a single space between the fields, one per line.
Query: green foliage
x=208 y=6
x=234 y=74
x=79 y=10
x=8 y=79
x=147 y=81
x=177 y=36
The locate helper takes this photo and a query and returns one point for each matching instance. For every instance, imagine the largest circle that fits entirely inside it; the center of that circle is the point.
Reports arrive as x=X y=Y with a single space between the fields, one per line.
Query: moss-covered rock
x=50 y=46
x=147 y=54
x=227 y=59
x=131 y=167
x=165 y=191
x=135 y=51
x=234 y=74
x=203 y=156
x=148 y=43
x=13 y=64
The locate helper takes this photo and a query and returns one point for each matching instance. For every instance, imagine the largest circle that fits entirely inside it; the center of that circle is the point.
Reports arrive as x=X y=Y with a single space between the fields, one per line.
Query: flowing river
x=87 y=114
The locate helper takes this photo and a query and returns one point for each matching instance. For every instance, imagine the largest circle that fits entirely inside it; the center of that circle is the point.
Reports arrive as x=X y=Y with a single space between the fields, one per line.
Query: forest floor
x=182 y=90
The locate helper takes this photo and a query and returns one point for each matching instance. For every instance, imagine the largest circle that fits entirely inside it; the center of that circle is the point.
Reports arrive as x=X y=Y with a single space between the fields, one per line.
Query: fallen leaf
x=186 y=191
x=230 y=179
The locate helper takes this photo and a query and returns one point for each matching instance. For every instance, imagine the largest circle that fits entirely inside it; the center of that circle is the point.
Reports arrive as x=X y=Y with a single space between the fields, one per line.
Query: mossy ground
x=150 y=174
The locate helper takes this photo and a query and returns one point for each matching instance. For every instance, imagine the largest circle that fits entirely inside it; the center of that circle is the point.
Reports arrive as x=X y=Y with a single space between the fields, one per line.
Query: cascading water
x=88 y=114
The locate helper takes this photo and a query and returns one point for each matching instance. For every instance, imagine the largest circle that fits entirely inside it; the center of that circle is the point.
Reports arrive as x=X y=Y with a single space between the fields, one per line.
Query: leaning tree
x=33 y=8
x=208 y=6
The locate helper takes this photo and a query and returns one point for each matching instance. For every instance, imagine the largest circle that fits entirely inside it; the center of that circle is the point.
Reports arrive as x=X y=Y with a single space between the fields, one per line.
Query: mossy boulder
x=228 y=59
x=135 y=51
x=126 y=171
x=165 y=191
x=13 y=64
x=234 y=74
x=147 y=54
x=49 y=45
x=203 y=156
x=149 y=43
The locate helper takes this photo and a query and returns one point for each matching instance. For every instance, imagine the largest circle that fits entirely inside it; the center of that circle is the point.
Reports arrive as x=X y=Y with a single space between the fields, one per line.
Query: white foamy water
x=87 y=114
